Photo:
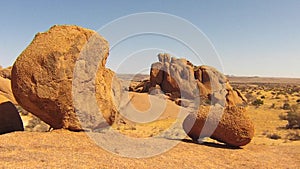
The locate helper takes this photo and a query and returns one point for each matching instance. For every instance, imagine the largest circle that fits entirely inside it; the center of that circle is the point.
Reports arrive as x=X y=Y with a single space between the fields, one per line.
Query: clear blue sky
x=252 y=37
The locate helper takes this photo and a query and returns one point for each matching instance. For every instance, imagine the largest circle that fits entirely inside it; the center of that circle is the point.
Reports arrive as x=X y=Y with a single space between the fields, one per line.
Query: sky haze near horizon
x=252 y=38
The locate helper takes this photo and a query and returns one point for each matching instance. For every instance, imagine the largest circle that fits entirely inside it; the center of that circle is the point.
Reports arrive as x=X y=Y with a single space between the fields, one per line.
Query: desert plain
x=273 y=145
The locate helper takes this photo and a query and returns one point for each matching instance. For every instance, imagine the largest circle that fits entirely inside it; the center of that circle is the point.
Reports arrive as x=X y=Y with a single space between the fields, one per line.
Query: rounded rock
x=42 y=75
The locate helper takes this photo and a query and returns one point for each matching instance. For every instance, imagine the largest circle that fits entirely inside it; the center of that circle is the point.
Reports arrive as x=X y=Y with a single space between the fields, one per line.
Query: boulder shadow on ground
x=211 y=144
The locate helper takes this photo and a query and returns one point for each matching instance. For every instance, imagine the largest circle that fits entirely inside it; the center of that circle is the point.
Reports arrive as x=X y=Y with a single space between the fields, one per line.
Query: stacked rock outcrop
x=220 y=109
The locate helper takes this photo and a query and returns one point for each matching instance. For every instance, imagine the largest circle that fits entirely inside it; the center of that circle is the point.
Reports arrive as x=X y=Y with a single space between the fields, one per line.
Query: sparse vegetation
x=293 y=117
x=294 y=136
x=249 y=96
x=278 y=100
x=35 y=124
x=22 y=111
x=286 y=106
x=258 y=102
x=274 y=136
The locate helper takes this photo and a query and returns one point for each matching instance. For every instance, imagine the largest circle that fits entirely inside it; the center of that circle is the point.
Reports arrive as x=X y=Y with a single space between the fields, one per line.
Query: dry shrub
x=286 y=106
x=250 y=97
x=274 y=136
x=36 y=125
x=293 y=117
x=257 y=102
x=293 y=136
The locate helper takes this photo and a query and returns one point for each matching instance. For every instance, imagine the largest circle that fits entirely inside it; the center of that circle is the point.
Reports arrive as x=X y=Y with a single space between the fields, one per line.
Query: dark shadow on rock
x=10 y=119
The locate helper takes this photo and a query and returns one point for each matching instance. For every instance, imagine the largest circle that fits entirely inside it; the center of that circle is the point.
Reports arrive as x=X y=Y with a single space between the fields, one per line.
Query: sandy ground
x=64 y=149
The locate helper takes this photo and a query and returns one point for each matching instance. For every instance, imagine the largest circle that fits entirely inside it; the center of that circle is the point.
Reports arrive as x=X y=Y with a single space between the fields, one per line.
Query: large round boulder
x=230 y=125
x=43 y=77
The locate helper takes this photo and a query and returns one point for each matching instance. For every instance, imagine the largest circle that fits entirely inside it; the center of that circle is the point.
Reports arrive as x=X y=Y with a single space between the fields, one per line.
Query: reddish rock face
x=230 y=125
x=156 y=74
x=181 y=78
x=42 y=76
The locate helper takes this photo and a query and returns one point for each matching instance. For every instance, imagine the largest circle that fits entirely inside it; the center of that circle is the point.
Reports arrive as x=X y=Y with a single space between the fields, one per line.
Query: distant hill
x=263 y=80
x=232 y=79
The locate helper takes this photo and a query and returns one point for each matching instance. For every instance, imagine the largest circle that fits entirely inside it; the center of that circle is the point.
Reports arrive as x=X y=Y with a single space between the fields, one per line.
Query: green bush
x=293 y=117
x=286 y=106
x=258 y=102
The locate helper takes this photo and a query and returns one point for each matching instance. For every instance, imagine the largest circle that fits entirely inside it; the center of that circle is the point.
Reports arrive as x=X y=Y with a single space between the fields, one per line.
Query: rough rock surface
x=6 y=72
x=215 y=101
x=5 y=89
x=182 y=79
x=10 y=119
x=230 y=125
x=42 y=77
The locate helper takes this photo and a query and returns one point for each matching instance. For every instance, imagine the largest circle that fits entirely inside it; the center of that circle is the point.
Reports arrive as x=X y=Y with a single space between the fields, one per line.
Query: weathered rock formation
x=6 y=72
x=10 y=119
x=216 y=103
x=5 y=89
x=43 y=77
x=182 y=79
